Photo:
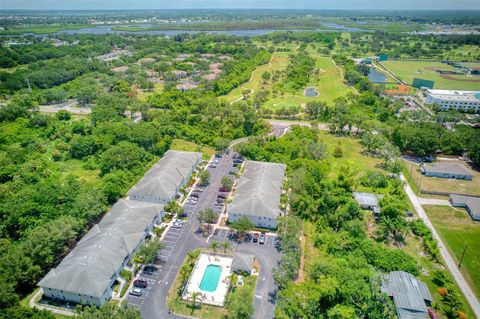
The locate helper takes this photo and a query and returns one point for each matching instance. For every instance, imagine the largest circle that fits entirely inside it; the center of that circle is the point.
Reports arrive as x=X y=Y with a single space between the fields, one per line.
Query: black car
x=140 y=283
x=149 y=270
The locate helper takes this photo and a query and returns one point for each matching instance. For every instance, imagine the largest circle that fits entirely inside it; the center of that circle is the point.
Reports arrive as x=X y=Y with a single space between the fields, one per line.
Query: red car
x=255 y=237
x=432 y=314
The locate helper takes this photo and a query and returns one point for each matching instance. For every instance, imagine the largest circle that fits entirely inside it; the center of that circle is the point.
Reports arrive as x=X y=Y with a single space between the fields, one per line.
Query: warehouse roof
x=409 y=294
x=88 y=269
x=258 y=190
x=164 y=178
x=447 y=168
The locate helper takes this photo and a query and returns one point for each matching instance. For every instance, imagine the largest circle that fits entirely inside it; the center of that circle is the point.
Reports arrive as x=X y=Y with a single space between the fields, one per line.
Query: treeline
x=297 y=73
x=240 y=70
x=343 y=276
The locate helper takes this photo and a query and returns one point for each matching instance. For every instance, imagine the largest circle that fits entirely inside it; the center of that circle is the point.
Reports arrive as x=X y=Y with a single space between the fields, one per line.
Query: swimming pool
x=210 y=278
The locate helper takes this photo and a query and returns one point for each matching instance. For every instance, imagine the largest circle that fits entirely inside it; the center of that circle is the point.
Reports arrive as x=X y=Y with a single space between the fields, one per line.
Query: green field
x=407 y=70
x=444 y=185
x=329 y=85
x=279 y=61
x=182 y=145
x=158 y=88
x=352 y=154
x=457 y=229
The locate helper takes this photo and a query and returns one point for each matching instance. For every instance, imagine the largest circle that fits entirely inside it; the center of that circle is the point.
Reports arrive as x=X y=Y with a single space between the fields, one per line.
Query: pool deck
x=216 y=297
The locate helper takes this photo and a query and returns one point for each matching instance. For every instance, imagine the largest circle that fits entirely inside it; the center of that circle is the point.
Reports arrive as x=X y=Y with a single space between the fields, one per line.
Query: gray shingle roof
x=473 y=204
x=258 y=190
x=447 y=168
x=366 y=199
x=409 y=294
x=243 y=262
x=165 y=177
x=88 y=269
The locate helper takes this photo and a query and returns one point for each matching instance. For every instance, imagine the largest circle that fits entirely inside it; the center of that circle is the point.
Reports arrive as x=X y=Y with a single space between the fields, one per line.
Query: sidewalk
x=449 y=261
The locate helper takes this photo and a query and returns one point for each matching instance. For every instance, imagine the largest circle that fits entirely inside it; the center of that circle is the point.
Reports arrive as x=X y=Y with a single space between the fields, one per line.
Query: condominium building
x=467 y=101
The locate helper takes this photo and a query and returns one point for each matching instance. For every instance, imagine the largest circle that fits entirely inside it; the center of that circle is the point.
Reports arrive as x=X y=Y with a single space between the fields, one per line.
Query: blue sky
x=301 y=4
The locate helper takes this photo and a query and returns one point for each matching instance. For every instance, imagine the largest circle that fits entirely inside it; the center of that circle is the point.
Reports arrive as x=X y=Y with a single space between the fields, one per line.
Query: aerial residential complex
x=468 y=101
x=89 y=272
x=257 y=195
x=163 y=181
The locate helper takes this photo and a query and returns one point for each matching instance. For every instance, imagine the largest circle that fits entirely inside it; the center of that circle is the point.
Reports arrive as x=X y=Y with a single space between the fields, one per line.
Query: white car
x=136 y=292
x=177 y=223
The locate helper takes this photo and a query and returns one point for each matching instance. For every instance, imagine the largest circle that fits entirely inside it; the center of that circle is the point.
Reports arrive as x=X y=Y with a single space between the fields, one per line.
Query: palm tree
x=233 y=280
x=225 y=246
x=214 y=245
x=196 y=295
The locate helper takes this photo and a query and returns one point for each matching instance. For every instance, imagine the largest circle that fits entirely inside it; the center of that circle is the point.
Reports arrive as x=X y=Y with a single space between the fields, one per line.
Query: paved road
x=179 y=242
x=449 y=261
x=267 y=255
x=433 y=201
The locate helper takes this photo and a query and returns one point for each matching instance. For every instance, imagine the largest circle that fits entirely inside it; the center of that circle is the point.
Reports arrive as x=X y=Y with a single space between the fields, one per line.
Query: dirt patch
x=399 y=89
x=449 y=77
x=301 y=269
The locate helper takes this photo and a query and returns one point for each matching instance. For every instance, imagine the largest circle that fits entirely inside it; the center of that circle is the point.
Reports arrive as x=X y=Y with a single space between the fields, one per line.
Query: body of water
x=376 y=76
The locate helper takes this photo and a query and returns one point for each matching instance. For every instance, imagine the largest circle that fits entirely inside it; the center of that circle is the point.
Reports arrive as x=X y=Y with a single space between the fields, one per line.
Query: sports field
x=458 y=230
x=408 y=70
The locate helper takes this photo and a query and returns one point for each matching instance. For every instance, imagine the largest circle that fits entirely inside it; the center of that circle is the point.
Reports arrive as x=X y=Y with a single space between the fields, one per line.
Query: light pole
x=463 y=255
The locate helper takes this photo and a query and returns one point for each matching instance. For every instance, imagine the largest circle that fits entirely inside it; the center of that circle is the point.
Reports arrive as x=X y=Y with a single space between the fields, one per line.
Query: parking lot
x=198 y=199
x=221 y=234
x=152 y=278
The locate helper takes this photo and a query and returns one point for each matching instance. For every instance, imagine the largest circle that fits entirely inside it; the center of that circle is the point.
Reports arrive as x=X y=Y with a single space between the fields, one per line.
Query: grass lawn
x=157 y=88
x=329 y=85
x=352 y=154
x=279 y=61
x=457 y=229
x=443 y=184
x=407 y=70
x=182 y=145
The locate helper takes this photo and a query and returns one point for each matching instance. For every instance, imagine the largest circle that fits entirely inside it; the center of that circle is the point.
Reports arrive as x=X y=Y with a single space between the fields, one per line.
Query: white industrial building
x=88 y=273
x=164 y=180
x=467 y=101
x=257 y=195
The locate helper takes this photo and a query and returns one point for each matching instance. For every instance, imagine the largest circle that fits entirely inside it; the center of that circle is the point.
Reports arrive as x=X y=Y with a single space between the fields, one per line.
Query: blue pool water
x=211 y=278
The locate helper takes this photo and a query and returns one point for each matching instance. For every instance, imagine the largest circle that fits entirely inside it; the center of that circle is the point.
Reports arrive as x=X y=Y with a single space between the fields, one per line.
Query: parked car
x=219 y=155
x=177 y=224
x=195 y=195
x=223 y=189
x=140 y=283
x=432 y=314
x=136 y=292
x=262 y=239
x=255 y=237
x=184 y=215
x=149 y=270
